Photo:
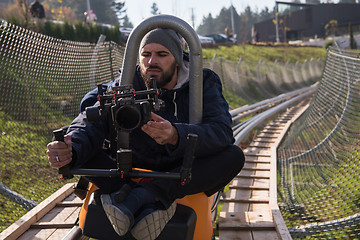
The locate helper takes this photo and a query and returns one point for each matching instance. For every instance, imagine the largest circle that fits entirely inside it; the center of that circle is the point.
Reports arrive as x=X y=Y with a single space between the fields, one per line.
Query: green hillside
x=253 y=53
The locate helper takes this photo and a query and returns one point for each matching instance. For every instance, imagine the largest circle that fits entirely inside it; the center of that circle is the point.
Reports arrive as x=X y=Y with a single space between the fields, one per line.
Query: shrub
x=328 y=43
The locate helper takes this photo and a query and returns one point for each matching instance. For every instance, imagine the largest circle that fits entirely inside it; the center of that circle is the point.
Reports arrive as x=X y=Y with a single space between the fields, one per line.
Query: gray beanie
x=168 y=38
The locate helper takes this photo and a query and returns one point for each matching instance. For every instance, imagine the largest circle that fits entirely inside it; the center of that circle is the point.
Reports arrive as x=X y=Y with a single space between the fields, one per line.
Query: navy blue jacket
x=214 y=132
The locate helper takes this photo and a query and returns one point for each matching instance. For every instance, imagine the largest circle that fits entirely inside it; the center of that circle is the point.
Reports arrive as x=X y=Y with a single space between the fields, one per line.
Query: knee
x=236 y=157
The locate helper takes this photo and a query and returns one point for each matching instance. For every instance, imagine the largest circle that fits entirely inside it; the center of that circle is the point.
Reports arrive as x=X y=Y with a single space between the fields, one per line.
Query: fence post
x=94 y=60
x=213 y=61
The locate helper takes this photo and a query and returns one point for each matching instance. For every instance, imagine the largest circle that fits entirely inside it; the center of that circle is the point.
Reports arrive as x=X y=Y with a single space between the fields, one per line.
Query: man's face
x=157 y=61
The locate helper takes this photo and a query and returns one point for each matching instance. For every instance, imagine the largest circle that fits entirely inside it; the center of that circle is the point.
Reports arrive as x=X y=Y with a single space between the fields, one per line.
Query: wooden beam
x=248 y=187
x=253 y=176
x=35 y=214
x=246 y=200
x=255 y=169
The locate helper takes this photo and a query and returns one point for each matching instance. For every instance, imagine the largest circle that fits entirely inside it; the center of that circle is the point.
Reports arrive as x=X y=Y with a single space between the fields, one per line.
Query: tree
x=313 y=1
x=207 y=25
x=347 y=1
x=102 y=8
x=126 y=22
x=265 y=15
x=119 y=9
x=23 y=6
x=353 y=44
x=155 y=9
x=331 y=27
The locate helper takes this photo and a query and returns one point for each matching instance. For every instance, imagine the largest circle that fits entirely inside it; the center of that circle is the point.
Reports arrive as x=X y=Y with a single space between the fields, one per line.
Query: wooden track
x=52 y=219
x=250 y=210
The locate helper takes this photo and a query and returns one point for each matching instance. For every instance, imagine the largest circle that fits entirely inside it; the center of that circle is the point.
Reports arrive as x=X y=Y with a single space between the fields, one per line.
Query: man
x=158 y=145
x=37 y=10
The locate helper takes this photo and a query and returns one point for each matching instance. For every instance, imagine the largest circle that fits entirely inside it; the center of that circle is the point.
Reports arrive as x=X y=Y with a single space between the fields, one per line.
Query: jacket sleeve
x=87 y=139
x=214 y=132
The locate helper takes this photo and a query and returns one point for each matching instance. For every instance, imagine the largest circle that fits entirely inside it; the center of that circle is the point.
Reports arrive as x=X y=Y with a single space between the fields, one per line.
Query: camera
x=129 y=115
x=129 y=109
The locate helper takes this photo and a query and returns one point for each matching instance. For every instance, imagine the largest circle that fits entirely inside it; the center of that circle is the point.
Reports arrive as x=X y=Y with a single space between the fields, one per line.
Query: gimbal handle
x=65 y=170
x=184 y=175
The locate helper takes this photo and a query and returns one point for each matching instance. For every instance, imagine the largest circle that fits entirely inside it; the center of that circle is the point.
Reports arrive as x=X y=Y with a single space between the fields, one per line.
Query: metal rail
x=270 y=108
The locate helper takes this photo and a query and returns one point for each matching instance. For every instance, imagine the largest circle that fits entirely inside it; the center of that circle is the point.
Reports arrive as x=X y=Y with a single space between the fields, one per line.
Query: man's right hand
x=60 y=153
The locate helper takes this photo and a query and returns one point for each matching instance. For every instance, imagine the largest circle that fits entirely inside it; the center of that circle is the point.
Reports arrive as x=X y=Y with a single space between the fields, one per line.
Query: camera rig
x=127 y=110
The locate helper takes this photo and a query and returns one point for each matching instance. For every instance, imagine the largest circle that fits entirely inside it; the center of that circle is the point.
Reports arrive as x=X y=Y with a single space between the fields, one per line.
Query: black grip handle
x=190 y=150
x=185 y=171
x=59 y=135
x=65 y=170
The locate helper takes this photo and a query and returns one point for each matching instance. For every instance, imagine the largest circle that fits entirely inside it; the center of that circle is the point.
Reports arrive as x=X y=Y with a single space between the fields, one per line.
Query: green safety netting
x=319 y=161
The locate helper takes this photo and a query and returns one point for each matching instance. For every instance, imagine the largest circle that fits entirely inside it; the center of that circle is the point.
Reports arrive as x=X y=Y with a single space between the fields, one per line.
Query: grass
x=252 y=53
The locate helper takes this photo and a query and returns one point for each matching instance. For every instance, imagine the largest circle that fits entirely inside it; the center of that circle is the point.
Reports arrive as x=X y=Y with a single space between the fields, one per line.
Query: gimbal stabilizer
x=127 y=114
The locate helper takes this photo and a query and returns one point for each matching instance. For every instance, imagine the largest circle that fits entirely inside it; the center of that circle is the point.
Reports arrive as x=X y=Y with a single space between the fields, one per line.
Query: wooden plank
x=260 y=144
x=270 y=131
x=257 y=159
x=240 y=222
x=37 y=234
x=260 y=215
x=242 y=182
x=261 y=183
x=275 y=124
x=247 y=200
x=59 y=234
x=263 y=194
x=232 y=206
x=252 y=176
x=73 y=198
x=256 y=165
x=59 y=214
x=49 y=234
x=235 y=235
x=275 y=128
x=24 y=223
x=263 y=165
x=248 y=187
x=259 y=235
x=255 y=169
x=254 y=173
x=256 y=152
x=242 y=193
x=235 y=207
x=266 y=135
x=264 y=140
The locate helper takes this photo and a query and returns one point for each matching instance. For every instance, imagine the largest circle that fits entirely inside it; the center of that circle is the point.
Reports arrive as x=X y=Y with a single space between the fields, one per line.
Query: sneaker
x=151 y=221
x=121 y=218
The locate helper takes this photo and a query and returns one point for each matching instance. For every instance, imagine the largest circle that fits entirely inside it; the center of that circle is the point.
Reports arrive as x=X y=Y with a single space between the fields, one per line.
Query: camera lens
x=128 y=117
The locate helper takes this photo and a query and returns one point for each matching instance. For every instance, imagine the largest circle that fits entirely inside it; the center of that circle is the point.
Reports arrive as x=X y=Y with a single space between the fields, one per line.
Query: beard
x=161 y=80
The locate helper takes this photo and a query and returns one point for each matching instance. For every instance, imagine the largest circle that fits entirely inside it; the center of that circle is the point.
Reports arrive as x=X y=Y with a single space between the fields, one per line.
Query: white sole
x=150 y=227
x=119 y=220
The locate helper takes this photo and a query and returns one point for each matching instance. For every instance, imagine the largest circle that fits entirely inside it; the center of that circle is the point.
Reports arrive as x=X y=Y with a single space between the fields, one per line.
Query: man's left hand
x=161 y=130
